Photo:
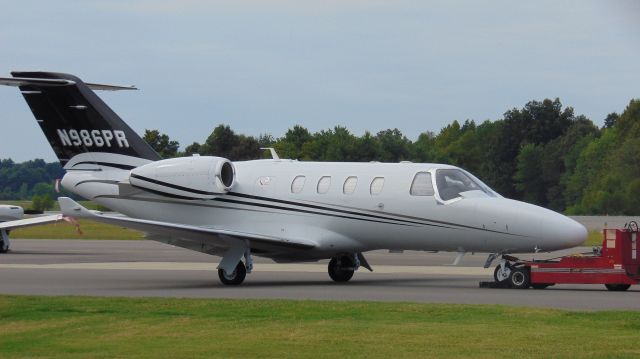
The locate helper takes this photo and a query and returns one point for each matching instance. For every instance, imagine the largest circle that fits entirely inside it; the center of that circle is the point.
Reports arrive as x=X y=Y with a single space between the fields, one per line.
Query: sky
x=265 y=66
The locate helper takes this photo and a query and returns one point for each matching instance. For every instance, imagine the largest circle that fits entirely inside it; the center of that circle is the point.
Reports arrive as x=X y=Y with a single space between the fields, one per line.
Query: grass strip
x=90 y=230
x=84 y=327
x=594 y=238
x=56 y=206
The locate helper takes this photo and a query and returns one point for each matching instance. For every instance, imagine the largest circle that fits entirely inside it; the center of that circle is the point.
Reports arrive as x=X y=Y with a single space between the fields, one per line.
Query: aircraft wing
x=27 y=222
x=203 y=239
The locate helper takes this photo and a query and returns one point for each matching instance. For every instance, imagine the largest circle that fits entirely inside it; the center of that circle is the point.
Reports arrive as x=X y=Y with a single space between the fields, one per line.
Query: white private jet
x=12 y=217
x=286 y=210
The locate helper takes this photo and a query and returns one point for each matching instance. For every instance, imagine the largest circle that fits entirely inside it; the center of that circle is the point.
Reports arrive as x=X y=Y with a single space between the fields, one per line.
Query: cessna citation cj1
x=282 y=209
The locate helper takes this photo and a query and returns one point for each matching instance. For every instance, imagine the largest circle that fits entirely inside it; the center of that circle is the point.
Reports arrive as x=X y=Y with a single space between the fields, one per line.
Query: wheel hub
x=518 y=278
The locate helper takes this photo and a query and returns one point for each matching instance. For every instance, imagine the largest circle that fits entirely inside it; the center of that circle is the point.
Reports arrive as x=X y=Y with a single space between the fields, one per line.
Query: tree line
x=542 y=153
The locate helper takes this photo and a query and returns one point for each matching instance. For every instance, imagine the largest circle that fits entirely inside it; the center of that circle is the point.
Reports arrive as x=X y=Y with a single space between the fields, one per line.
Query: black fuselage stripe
x=174 y=186
x=107 y=164
x=384 y=219
x=329 y=209
x=97 y=181
x=423 y=220
x=264 y=205
x=164 y=194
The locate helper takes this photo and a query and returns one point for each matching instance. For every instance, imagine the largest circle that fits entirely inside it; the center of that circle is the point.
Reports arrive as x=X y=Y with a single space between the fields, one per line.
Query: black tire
x=495 y=274
x=235 y=278
x=520 y=278
x=617 y=287
x=3 y=249
x=343 y=271
x=541 y=285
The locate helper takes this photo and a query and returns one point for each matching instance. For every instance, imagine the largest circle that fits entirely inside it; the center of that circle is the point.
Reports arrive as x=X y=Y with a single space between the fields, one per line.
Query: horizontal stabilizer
x=26 y=81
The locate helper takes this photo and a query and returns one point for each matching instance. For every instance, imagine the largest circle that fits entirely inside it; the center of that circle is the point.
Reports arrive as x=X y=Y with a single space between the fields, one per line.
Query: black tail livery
x=74 y=119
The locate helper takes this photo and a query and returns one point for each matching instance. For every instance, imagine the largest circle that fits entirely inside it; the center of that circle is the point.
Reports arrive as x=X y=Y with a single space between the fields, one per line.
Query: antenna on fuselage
x=274 y=154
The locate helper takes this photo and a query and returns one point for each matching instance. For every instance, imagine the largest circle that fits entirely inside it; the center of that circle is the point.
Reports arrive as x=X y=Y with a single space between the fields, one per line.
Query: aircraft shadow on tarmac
x=449 y=283
x=414 y=282
x=57 y=253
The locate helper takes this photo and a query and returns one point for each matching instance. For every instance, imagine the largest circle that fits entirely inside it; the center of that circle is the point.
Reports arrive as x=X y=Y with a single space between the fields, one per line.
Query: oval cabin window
x=298 y=184
x=376 y=185
x=323 y=184
x=350 y=185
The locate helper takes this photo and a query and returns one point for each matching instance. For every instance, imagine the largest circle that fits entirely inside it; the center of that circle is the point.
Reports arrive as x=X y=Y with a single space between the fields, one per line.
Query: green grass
x=56 y=207
x=594 y=239
x=77 y=327
x=63 y=230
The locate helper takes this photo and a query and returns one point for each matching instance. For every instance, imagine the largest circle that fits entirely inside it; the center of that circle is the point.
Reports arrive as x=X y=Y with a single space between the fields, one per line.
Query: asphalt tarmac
x=150 y=269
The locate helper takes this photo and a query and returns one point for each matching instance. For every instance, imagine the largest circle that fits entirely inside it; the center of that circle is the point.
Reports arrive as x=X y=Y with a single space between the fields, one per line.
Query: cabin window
x=298 y=184
x=323 y=184
x=350 y=185
x=376 y=185
x=421 y=185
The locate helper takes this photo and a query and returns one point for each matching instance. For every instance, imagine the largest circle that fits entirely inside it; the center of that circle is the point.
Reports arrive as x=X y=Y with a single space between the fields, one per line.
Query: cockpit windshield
x=452 y=182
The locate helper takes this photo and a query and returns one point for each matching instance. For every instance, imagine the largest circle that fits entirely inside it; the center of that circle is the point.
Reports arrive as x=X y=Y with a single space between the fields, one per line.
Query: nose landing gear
x=509 y=273
x=502 y=272
x=509 y=276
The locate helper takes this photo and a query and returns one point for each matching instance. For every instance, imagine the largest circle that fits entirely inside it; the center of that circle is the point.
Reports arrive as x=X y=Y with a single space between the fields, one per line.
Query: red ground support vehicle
x=616 y=265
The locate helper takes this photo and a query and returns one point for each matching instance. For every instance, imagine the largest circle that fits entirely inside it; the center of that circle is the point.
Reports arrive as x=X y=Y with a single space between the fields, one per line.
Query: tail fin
x=76 y=121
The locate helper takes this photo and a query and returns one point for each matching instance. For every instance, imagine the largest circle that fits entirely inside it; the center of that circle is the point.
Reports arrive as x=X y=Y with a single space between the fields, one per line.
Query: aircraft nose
x=569 y=233
x=551 y=230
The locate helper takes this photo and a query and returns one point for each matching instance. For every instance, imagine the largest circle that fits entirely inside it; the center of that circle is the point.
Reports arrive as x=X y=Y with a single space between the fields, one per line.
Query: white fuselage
x=346 y=207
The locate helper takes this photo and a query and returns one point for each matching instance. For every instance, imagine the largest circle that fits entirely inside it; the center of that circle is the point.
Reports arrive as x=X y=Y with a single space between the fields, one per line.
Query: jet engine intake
x=197 y=177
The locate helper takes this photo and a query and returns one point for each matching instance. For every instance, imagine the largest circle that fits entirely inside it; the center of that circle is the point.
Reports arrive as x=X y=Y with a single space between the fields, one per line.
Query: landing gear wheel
x=501 y=276
x=617 y=287
x=4 y=248
x=541 y=285
x=234 y=278
x=4 y=245
x=341 y=269
x=520 y=278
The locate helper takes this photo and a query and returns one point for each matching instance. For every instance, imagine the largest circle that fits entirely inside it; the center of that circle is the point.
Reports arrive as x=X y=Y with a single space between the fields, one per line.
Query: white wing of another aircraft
x=28 y=222
x=13 y=215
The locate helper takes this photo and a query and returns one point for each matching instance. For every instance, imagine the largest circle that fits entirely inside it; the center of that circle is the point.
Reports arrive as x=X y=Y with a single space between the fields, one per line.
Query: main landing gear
x=5 y=243
x=232 y=270
x=342 y=267
x=234 y=278
x=239 y=272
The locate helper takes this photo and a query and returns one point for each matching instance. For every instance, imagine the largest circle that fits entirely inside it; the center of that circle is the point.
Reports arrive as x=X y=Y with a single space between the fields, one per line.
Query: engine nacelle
x=197 y=177
x=10 y=213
